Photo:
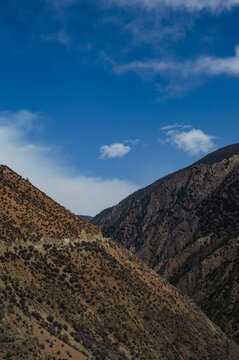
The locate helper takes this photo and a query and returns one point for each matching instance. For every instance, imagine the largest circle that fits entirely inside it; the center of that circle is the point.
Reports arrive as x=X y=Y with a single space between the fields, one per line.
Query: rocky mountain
x=86 y=217
x=64 y=295
x=185 y=226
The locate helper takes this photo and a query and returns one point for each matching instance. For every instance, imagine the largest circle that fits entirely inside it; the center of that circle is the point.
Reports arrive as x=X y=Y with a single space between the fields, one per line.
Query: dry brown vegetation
x=28 y=215
x=94 y=300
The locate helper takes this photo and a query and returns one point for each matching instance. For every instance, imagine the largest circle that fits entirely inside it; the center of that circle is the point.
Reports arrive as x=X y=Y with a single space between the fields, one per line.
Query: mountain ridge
x=179 y=220
x=216 y=156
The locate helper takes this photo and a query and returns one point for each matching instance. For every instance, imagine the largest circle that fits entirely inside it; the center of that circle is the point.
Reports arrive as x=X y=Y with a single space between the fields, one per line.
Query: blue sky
x=99 y=98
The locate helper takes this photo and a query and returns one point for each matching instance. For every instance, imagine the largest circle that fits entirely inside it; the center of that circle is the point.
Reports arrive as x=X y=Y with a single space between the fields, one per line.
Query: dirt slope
x=94 y=300
x=28 y=215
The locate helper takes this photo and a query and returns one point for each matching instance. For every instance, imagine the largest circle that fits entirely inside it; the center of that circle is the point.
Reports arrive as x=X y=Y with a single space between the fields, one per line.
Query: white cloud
x=132 y=141
x=175 y=126
x=79 y=193
x=204 y=65
x=193 y=141
x=112 y=151
x=192 y=5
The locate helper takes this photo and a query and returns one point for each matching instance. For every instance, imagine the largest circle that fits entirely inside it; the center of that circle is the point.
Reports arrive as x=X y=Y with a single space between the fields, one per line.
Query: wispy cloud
x=59 y=3
x=34 y=148
x=192 y=5
x=182 y=76
x=117 y=150
x=61 y=37
x=190 y=140
x=204 y=65
x=155 y=26
x=132 y=141
x=175 y=126
x=177 y=86
x=77 y=192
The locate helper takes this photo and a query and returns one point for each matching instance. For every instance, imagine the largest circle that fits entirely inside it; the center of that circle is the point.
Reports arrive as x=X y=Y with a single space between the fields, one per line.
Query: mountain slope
x=27 y=214
x=177 y=223
x=90 y=298
x=100 y=303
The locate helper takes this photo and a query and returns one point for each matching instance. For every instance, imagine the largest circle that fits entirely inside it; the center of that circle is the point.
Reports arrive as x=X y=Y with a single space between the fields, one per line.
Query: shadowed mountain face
x=185 y=226
x=82 y=299
x=86 y=217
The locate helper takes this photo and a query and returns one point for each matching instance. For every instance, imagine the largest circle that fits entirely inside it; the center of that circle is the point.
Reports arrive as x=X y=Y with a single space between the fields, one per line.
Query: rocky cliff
x=182 y=223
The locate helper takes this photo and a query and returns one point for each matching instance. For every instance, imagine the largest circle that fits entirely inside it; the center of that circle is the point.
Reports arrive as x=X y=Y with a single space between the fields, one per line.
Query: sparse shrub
x=50 y=318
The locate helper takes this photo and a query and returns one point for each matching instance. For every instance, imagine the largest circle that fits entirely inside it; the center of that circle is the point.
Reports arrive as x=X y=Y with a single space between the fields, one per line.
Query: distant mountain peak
x=85 y=217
